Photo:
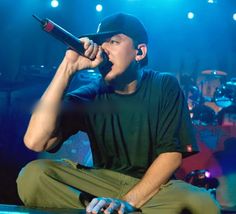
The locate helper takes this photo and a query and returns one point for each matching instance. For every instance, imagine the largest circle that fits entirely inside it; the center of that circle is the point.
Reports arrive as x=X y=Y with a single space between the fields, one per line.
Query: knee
x=30 y=180
x=201 y=201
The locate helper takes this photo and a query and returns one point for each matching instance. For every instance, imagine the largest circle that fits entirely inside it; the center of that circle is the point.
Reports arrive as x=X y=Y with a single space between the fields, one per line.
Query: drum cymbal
x=215 y=73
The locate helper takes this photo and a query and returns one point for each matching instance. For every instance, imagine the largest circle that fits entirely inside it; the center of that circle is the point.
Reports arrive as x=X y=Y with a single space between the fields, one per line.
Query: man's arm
x=157 y=174
x=40 y=134
x=43 y=131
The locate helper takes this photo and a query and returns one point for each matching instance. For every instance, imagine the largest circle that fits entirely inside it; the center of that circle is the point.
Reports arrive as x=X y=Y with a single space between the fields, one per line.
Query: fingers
x=96 y=205
x=108 y=206
x=114 y=205
x=91 y=205
x=98 y=59
x=121 y=209
x=91 y=48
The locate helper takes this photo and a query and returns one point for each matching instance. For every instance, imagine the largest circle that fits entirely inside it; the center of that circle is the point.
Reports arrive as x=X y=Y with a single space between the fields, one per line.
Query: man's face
x=121 y=53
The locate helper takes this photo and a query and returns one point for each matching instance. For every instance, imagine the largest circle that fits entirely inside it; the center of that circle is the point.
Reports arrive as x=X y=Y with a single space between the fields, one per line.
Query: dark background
x=29 y=57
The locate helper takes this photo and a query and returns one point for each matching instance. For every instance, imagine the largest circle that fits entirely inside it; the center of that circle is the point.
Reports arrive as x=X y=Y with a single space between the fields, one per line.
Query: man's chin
x=109 y=77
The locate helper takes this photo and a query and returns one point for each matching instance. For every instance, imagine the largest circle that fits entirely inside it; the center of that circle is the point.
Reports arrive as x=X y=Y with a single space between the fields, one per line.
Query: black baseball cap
x=120 y=23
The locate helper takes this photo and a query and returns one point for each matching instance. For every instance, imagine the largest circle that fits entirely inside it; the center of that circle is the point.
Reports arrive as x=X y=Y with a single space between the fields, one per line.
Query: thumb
x=99 y=58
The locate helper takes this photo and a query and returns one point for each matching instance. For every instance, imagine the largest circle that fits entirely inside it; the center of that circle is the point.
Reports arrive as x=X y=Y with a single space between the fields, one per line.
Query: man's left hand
x=109 y=205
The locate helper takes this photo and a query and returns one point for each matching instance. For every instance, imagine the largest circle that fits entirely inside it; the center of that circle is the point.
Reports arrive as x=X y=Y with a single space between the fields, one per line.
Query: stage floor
x=23 y=210
x=13 y=209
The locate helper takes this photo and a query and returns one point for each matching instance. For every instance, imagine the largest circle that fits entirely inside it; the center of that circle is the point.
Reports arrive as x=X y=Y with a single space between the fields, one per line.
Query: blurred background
x=185 y=35
x=192 y=39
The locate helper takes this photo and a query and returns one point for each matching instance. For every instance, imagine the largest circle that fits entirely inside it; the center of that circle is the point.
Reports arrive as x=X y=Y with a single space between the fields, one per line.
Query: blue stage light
x=212 y=1
x=234 y=16
x=190 y=15
x=54 y=3
x=99 y=8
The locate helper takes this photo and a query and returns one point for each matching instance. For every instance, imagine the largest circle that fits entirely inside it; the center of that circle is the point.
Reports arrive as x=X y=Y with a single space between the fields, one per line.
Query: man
x=138 y=125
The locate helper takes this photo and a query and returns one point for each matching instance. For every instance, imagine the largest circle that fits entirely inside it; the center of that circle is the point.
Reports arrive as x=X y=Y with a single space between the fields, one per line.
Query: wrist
x=132 y=208
x=67 y=68
x=130 y=202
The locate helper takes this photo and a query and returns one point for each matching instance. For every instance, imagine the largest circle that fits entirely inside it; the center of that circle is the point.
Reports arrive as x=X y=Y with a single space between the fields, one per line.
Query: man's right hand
x=91 y=59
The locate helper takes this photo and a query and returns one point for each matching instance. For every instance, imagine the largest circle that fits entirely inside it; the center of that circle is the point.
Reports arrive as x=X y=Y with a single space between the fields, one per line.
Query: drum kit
x=211 y=99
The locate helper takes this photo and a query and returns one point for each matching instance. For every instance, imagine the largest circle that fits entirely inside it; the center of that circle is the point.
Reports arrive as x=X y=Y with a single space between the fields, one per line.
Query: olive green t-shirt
x=127 y=132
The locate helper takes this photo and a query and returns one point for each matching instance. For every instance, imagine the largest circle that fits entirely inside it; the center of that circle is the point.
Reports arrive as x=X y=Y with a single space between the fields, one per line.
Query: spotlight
x=54 y=3
x=99 y=8
x=207 y=174
x=234 y=16
x=212 y=1
x=190 y=15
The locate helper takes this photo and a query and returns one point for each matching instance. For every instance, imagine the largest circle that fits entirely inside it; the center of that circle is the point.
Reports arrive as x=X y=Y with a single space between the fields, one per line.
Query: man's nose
x=105 y=47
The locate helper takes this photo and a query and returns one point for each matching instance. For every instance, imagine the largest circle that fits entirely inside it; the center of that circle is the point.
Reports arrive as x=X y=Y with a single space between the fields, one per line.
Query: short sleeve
x=72 y=114
x=175 y=130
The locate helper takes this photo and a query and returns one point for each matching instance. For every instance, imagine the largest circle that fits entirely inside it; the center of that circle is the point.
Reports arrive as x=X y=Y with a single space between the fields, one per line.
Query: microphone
x=71 y=41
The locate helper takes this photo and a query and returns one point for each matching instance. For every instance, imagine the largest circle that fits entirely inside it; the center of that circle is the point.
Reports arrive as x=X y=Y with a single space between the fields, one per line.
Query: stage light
x=212 y=1
x=54 y=3
x=234 y=16
x=202 y=178
x=207 y=174
x=190 y=15
x=99 y=8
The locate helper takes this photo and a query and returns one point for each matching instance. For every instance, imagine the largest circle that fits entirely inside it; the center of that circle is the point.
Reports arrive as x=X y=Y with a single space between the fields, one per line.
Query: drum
x=194 y=96
x=225 y=95
x=203 y=115
x=209 y=80
x=227 y=116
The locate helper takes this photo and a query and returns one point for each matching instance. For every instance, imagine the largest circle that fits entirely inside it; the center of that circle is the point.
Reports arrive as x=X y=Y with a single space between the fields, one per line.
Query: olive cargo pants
x=58 y=184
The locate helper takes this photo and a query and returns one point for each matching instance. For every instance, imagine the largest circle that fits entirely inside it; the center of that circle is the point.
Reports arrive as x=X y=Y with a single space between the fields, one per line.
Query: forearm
x=157 y=174
x=40 y=134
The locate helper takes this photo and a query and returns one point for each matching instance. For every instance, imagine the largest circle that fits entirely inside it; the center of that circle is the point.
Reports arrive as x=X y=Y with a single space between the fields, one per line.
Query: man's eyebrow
x=116 y=37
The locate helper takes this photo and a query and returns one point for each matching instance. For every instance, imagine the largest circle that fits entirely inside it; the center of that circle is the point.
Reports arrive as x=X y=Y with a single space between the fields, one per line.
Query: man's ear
x=141 y=52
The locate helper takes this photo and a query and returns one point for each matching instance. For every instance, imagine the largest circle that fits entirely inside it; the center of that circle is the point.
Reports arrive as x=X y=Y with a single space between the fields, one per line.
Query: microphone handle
x=71 y=41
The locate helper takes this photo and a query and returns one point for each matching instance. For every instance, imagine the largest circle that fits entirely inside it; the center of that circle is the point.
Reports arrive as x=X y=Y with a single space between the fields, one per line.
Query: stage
x=20 y=209
x=4 y=209
x=189 y=40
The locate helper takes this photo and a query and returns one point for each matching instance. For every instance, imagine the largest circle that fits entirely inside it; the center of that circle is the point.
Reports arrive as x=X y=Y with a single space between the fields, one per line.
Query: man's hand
x=109 y=205
x=91 y=59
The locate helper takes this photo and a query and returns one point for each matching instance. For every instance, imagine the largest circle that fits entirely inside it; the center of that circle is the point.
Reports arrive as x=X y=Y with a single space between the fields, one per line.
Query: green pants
x=58 y=184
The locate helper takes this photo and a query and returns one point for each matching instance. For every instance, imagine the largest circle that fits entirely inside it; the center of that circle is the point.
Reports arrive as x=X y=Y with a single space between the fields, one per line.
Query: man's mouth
x=105 y=67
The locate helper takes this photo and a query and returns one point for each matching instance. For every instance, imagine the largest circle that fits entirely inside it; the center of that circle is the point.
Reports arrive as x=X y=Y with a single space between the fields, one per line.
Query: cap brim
x=100 y=37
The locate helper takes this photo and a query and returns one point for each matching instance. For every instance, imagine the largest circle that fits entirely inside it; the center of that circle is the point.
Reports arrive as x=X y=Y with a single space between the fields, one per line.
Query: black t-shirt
x=127 y=132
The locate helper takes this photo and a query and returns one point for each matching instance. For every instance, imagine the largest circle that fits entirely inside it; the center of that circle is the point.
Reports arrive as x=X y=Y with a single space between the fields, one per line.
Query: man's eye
x=114 y=42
